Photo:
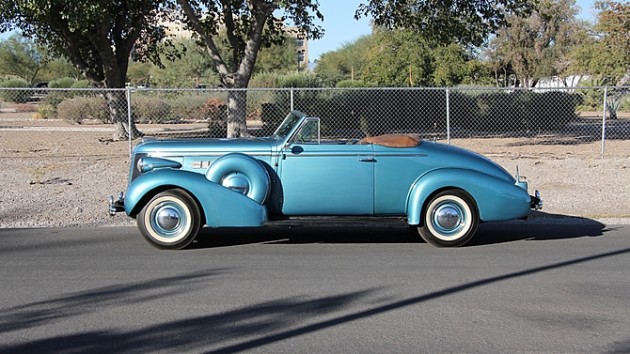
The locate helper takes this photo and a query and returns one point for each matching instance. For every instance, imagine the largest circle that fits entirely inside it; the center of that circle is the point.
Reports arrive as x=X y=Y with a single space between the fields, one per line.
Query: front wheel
x=170 y=220
x=450 y=219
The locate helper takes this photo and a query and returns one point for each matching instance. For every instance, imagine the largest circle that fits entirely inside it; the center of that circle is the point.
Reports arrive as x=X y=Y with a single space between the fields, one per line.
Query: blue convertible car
x=178 y=186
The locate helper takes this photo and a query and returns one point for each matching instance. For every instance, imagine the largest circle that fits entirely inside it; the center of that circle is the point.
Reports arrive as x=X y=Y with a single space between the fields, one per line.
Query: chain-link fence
x=561 y=116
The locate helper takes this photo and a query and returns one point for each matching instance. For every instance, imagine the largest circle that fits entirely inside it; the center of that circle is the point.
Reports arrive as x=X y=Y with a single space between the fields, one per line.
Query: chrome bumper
x=536 y=202
x=116 y=206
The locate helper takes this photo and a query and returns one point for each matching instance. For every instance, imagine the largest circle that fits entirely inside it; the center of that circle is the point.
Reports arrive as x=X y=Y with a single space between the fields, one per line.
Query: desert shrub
x=16 y=96
x=78 y=109
x=54 y=98
x=214 y=109
x=65 y=82
x=351 y=84
x=505 y=111
x=150 y=110
x=187 y=106
x=45 y=111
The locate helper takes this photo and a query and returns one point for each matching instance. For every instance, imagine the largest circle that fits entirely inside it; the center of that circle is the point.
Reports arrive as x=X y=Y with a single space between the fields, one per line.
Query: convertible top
x=392 y=140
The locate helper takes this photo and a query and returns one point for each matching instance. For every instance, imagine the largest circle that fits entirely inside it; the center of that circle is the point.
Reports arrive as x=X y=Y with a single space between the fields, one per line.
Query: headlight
x=147 y=164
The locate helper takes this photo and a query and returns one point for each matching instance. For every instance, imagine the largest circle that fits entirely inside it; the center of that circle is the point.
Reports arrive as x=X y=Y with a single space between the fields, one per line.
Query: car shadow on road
x=541 y=227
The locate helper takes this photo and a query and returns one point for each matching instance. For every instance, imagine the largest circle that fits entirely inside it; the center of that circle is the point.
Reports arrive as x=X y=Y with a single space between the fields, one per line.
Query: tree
x=189 y=66
x=606 y=56
x=21 y=57
x=468 y=22
x=96 y=36
x=249 y=25
x=345 y=63
x=613 y=23
x=538 y=46
x=397 y=58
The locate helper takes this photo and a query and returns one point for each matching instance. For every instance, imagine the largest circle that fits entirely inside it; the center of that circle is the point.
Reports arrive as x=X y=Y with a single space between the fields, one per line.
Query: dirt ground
x=57 y=174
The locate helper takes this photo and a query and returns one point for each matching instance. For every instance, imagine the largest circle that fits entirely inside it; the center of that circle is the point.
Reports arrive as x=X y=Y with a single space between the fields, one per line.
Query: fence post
x=448 y=116
x=604 y=121
x=128 y=94
x=291 y=94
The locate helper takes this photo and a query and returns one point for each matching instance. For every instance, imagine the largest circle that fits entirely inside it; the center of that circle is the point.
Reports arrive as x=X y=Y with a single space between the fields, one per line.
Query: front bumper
x=536 y=202
x=116 y=206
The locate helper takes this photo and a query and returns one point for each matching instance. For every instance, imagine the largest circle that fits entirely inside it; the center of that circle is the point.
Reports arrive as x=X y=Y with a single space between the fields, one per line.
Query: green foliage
x=468 y=22
x=517 y=111
x=351 y=84
x=64 y=82
x=188 y=106
x=21 y=57
x=16 y=96
x=78 y=109
x=150 y=110
x=188 y=70
x=96 y=36
x=265 y=80
x=277 y=58
x=302 y=80
x=45 y=111
x=538 y=46
x=398 y=59
x=344 y=63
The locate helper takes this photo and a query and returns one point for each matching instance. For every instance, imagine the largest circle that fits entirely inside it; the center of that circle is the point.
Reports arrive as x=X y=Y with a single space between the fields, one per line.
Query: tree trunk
x=237 y=114
x=117 y=105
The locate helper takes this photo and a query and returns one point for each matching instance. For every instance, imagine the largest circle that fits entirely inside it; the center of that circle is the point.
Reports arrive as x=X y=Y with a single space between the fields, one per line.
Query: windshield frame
x=289 y=124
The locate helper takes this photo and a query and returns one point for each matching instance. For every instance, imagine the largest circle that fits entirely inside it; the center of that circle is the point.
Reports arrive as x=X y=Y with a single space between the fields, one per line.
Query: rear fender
x=496 y=198
x=221 y=207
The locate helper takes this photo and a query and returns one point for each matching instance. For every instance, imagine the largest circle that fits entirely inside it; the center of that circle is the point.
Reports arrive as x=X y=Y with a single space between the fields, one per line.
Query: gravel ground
x=54 y=174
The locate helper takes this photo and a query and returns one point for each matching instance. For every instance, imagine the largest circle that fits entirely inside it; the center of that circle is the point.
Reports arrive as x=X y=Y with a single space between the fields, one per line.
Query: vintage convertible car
x=178 y=186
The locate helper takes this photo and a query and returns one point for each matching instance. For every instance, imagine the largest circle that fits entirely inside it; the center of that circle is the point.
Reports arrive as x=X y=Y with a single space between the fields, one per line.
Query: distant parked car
x=178 y=186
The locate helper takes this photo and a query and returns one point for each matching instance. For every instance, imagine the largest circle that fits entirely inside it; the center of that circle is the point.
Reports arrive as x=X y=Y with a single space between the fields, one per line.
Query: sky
x=341 y=27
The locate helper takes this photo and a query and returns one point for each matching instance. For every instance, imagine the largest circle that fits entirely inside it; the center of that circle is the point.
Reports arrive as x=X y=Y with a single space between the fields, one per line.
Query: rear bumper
x=536 y=202
x=116 y=206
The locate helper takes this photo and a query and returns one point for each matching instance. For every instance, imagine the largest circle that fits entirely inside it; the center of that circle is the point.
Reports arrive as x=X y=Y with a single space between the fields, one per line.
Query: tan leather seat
x=392 y=140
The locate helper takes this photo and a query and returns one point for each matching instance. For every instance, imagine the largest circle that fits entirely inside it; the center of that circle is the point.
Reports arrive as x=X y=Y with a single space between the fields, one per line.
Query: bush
x=65 y=82
x=150 y=110
x=16 y=96
x=214 y=109
x=187 y=106
x=78 y=109
x=521 y=110
x=45 y=111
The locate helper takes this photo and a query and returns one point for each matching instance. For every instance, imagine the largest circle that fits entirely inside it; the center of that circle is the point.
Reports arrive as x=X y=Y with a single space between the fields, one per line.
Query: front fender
x=496 y=198
x=222 y=207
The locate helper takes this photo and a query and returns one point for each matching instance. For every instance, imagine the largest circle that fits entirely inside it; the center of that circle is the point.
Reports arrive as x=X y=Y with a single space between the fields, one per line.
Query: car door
x=326 y=178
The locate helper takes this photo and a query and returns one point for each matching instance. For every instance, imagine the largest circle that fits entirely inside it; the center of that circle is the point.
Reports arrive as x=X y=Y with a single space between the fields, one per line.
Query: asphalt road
x=522 y=287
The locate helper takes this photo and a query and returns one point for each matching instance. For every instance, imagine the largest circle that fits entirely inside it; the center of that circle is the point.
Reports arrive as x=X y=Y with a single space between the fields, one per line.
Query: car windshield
x=287 y=125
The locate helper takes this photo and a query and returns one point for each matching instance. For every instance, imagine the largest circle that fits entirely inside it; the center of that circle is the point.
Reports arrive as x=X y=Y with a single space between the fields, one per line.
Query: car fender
x=221 y=207
x=496 y=198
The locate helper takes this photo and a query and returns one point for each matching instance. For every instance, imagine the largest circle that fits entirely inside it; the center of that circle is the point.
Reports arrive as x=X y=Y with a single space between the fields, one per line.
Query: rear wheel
x=450 y=219
x=170 y=220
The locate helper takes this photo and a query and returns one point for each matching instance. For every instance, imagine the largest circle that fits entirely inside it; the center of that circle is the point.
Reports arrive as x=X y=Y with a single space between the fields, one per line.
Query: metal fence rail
x=559 y=116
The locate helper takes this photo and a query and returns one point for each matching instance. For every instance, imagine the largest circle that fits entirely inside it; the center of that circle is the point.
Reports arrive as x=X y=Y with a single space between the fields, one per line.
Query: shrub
x=187 y=106
x=78 y=109
x=65 y=82
x=16 y=96
x=45 y=111
x=150 y=110
x=214 y=109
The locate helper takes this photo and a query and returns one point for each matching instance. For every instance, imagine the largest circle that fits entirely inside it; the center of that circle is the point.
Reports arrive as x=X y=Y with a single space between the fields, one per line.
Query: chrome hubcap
x=448 y=218
x=236 y=182
x=168 y=218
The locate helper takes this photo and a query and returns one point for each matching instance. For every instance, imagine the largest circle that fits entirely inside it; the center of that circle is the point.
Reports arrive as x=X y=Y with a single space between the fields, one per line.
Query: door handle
x=367 y=159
